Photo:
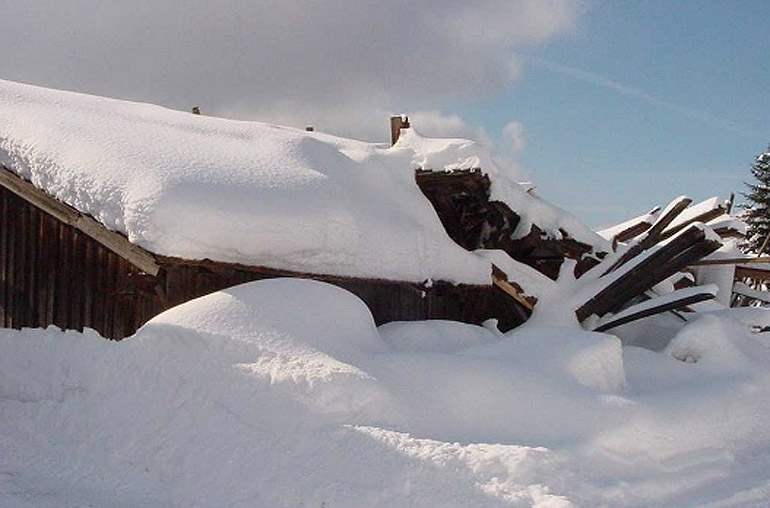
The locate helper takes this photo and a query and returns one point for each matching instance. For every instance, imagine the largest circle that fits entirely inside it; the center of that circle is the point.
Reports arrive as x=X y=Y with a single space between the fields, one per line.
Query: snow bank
x=717 y=347
x=283 y=393
x=200 y=187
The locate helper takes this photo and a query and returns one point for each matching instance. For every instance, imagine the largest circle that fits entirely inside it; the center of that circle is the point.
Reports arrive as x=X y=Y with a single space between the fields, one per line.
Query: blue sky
x=642 y=102
x=619 y=105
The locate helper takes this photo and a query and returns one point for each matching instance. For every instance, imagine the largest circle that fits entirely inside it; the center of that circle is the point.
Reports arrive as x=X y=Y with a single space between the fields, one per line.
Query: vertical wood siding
x=51 y=273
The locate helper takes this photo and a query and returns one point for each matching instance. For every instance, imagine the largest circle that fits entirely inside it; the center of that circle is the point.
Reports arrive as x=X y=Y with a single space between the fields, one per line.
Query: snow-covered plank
x=704 y=211
x=732 y=261
x=674 y=300
x=652 y=235
x=645 y=270
x=500 y=279
x=728 y=227
x=666 y=217
x=631 y=228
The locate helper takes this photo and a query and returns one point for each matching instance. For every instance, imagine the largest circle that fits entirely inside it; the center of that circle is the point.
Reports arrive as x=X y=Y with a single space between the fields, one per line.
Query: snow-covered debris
x=705 y=290
x=637 y=223
x=282 y=393
x=200 y=187
x=694 y=212
x=726 y=222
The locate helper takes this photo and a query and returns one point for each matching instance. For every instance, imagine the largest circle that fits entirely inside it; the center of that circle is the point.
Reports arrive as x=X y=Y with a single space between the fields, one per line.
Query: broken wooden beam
x=500 y=279
x=732 y=261
x=653 y=235
x=729 y=203
x=704 y=212
x=630 y=229
x=667 y=216
x=672 y=301
x=643 y=272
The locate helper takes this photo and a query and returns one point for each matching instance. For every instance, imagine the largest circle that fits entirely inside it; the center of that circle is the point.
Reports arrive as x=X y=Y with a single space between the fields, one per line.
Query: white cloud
x=513 y=135
x=439 y=125
x=492 y=22
x=339 y=64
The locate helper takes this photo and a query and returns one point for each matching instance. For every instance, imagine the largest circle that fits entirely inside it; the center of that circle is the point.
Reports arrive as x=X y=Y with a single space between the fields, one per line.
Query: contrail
x=604 y=82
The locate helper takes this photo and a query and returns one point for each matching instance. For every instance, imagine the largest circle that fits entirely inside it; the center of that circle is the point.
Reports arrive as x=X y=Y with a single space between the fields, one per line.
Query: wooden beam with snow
x=731 y=261
x=704 y=212
x=728 y=232
x=653 y=235
x=632 y=232
x=729 y=203
x=630 y=229
x=672 y=301
x=500 y=279
x=115 y=242
x=667 y=216
x=643 y=272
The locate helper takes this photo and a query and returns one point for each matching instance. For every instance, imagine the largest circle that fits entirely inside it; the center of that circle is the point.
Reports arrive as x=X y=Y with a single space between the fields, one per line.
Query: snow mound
x=717 y=346
x=249 y=192
x=593 y=360
x=282 y=393
x=437 y=336
x=331 y=319
x=302 y=336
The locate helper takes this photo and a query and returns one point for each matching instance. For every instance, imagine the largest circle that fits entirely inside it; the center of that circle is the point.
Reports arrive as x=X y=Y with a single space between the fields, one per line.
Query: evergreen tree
x=757 y=214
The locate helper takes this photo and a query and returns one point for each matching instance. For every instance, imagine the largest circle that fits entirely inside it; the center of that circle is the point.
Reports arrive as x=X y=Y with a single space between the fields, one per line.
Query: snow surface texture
x=282 y=393
x=200 y=187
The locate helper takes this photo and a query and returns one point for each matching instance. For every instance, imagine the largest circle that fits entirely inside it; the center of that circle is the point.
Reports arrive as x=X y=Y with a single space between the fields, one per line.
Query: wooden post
x=396 y=124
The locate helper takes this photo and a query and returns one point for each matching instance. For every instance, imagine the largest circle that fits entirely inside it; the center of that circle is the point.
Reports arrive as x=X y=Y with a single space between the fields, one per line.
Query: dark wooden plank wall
x=51 y=273
x=183 y=280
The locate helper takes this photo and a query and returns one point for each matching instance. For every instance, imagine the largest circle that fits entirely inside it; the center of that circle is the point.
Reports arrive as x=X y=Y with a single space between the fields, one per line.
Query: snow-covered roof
x=199 y=187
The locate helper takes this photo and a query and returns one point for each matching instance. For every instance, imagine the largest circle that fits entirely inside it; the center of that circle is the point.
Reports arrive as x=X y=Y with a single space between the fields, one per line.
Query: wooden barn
x=61 y=266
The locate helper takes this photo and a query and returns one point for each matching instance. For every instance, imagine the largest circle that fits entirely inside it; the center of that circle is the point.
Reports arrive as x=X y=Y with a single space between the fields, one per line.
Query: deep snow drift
x=202 y=187
x=283 y=393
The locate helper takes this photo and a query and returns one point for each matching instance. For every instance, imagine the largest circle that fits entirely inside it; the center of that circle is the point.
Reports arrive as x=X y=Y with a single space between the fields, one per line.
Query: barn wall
x=387 y=300
x=51 y=273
